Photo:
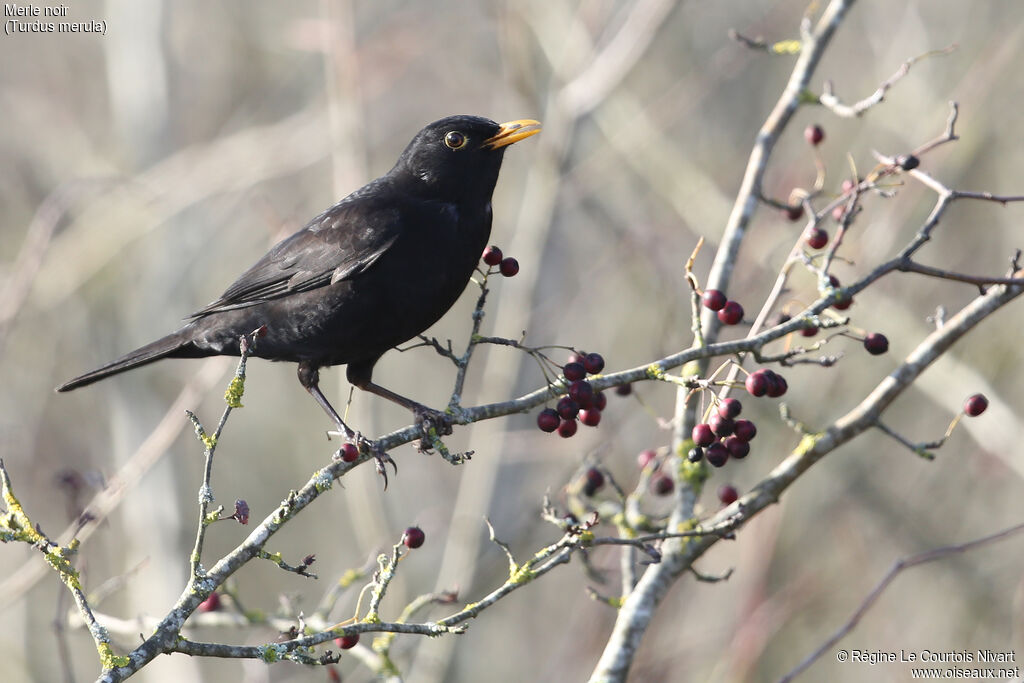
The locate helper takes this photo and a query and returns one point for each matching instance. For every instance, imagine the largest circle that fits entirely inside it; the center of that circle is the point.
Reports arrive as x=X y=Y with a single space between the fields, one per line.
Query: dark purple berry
x=509 y=266
x=696 y=454
x=816 y=238
x=662 y=484
x=756 y=383
x=241 y=511
x=600 y=400
x=574 y=371
x=624 y=390
x=728 y=494
x=975 y=405
x=721 y=426
x=582 y=392
x=717 y=454
x=703 y=435
x=794 y=212
x=731 y=314
x=594 y=481
x=814 y=134
x=347 y=642
x=567 y=408
x=548 y=420
x=713 y=299
x=646 y=457
x=492 y=255
x=744 y=430
x=567 y=428
x=908 y=162
x=876 y=344
x=730 y=407
x=349 y=452
x=738 y=448
x=590 y=417
x=413 y=537
x=593 y=362
x=575 y=357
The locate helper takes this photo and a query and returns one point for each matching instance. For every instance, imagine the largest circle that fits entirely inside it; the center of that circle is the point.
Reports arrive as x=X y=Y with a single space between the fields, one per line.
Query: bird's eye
x=455 y=139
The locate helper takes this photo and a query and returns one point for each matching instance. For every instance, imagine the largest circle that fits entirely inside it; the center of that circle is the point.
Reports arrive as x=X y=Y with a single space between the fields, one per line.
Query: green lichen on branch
x=233 y=394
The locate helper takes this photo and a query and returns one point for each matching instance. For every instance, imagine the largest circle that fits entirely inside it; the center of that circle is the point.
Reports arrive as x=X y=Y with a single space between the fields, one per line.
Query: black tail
x=175 y=344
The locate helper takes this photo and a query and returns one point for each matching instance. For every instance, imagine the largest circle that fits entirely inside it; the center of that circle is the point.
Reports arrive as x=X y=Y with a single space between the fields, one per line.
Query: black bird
x=371 y=272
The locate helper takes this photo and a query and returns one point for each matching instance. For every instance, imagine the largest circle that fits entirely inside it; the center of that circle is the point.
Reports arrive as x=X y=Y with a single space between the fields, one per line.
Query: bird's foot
x=434 y=424
x=363 y=445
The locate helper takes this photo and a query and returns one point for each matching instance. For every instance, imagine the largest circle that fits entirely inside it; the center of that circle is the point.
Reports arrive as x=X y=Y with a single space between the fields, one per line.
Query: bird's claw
x=381 y=459
x=433 y=424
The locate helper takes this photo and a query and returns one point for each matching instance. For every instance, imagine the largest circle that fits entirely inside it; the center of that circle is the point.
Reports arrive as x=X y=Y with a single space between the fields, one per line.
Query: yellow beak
x=512 y=131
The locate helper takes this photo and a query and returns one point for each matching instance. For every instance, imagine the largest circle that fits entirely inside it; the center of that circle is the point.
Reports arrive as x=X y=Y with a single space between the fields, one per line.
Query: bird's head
x=458 y=157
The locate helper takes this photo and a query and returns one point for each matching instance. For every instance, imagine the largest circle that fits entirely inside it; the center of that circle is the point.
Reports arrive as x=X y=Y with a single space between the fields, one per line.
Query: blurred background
x=146 y=167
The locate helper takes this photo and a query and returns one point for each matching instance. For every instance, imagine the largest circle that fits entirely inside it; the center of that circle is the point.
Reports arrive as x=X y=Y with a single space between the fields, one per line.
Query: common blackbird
x=373 y=271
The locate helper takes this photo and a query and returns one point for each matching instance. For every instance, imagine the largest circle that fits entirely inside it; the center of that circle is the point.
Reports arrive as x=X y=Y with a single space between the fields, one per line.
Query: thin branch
x=894 y=571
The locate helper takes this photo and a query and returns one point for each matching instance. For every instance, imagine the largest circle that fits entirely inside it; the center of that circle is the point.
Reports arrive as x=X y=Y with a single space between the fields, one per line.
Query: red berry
x=547 y=420
x=349 y=452
x=721 y=426
x=713 y=299
x=695 y=454
x=703 y=435
x=567 y=408
x=600 y=400
x=492 y=255
x=413 y=537
x=738 y=448
x=777 y=384
x=593 y=362
x=567 y=428
x=729 y=407
x=646 y=457
x=731 y=314
x=728 y=494
x=975 y=405
x=876 y=343
x=814 y=134
x=509 y=266
x=816 y=238
x=662 y=484
x=843 y=303
x=756 y=383
x=717 y=454
x=624 y=390
x=594 y=481
x=574 y=371
x=347 y=642
x=794 y=212
x=211 y=603
x=582 y=392
x=809 y=331
x=590 y=417
x=744 y=430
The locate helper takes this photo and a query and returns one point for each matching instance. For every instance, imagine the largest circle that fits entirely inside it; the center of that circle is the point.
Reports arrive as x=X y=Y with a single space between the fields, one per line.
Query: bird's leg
x=309 y=377
x=426 y=418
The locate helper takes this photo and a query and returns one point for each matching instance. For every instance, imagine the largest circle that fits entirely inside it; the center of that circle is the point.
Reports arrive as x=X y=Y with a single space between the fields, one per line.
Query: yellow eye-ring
x=455 y=139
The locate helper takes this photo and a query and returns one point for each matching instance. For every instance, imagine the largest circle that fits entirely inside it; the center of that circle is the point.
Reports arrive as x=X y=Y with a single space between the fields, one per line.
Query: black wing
x=340 y=243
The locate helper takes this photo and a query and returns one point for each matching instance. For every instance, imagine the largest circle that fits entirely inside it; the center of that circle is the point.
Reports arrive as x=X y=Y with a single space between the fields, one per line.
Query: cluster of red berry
x=580 y=402
x=729 y=312
x=723 y=436
x=507 y=265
